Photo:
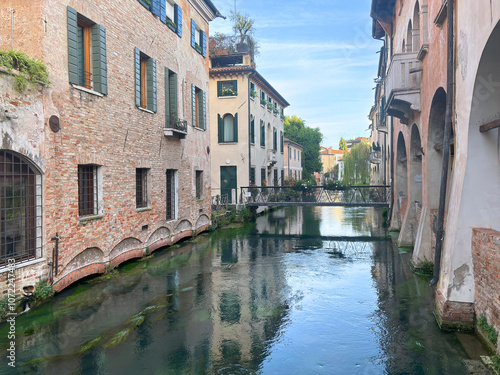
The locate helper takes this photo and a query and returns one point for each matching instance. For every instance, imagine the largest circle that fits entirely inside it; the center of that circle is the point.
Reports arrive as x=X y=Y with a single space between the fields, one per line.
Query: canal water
x=317 y=290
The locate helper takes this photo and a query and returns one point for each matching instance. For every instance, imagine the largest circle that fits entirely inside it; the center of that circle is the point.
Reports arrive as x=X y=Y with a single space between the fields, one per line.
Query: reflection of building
x=440 y=181
x=110 y=161
x=247 y=141
x=293 y=159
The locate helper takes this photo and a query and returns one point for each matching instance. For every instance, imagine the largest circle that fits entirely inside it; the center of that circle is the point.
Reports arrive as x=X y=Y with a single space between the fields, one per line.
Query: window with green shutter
x=263 y=177
x=252 y=176
x=227 y=88
x=262 y=134
x=87 y=59
x=227 y=128
x=199 y=112
x=145 y=81
x=198 y=39
x=252 y=131
x=275 y=139
x=171 y=106
x=281 y=142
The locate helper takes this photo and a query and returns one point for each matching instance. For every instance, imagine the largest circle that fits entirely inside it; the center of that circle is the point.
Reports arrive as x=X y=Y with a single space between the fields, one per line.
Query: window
x=171 y=194
x=199 y=184
x=275 y=139
x=145 y=81
x=262 y=134
x=88 y=190
x=198 y=39
x=252 y=131
x=228 y=128
x=282 y=147
x=263 y=177
x=20 y=209
x=141 y=187
x=87 y=65
x=253 y=93
x=167 y=11
x=171 y=111
x=294 y=154
x=282 y=177
x=252 y=176
x=227 y=88
x=262 y=98
x=199 y=107
x=275 y=175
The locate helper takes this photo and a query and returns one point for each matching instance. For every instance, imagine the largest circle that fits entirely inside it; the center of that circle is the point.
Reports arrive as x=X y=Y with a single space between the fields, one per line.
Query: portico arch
x=401 y=183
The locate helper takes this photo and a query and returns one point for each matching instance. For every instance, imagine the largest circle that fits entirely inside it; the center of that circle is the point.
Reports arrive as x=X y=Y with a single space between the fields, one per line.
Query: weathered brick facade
x=111 y=132
x=486 y=259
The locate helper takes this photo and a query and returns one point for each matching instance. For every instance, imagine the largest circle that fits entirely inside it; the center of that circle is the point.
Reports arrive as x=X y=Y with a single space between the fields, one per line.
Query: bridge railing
x=362 y=195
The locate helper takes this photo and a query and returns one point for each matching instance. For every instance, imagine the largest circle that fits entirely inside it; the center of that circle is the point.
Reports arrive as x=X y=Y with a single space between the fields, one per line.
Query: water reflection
x=311 y=290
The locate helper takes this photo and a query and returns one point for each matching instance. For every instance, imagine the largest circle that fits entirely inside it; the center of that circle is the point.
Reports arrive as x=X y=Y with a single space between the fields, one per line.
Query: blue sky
x=319 y=54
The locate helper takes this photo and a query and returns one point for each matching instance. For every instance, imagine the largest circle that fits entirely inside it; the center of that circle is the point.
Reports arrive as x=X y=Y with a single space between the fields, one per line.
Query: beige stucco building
x=331 y=158
x=293 y=159
x=247 y=138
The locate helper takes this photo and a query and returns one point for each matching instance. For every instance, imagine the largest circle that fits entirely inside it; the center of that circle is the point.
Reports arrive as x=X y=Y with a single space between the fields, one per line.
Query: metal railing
x=219 y=201
x=352 y=196
x=176 y=124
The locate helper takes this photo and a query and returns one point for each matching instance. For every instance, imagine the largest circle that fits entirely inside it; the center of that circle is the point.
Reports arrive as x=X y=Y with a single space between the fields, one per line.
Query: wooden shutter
x=155 y=7
x=252 y=131
x=235 y=86
x=99 y=69
x=201 y=110
x=193 y=98
x=219 y=88
x=163 y=12
x=167 y=97
x=220 y=129
x=137 y=69
x=193 y=33
x=204 y=44
x=151 y=84
x=173 y=93
x=281 y=142
x=72 y=46
x=235 y=127
x=178 y=19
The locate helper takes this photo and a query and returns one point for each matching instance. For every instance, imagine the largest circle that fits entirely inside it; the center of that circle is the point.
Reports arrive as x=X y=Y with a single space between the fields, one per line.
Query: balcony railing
x=402 y=85
x=375 y=157
x=177 y=126
x=271 y=158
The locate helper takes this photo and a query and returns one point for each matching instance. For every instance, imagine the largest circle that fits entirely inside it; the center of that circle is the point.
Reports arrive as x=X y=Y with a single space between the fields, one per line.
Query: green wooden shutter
x=235 y=86
x=204 y=44
x=151 y=84
x=81 y=57
x=99 y=59
x=263 y=135
x=275 y=139
x=193 y=98
x=220 y=129
x=167 y=97
x=252 y=131
x=193 y=33
x=281 y=142
x=178 y=19
x=201 y=110
x=137 y=69
x=72 y=46
x=219 y=88
x=173 y=93
x=235 y=127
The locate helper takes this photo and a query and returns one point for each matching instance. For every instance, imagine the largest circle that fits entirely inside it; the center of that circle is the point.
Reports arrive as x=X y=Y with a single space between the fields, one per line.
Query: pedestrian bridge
x=349 y=196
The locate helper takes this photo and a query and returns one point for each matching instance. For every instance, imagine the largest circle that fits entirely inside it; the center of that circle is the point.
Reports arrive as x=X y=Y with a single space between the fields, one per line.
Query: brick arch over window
x=20 y=208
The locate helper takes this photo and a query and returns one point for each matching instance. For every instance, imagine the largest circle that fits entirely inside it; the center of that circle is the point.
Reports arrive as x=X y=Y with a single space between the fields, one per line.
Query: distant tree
x=356 y=165
x=310 y=139
x=342 y=144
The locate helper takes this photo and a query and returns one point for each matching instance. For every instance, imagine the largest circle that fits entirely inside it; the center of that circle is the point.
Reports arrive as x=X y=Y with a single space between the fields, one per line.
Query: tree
x=310 y=139
x=356 y=165
x=342 y=144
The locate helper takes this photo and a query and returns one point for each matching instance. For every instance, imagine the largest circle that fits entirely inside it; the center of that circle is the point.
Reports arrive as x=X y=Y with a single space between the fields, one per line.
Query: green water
x=301 y=291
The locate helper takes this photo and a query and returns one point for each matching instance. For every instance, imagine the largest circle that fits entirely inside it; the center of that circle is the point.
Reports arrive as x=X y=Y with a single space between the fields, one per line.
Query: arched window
x=20 y=208
x=228 y=128
x=409 y=36
x=416 y=27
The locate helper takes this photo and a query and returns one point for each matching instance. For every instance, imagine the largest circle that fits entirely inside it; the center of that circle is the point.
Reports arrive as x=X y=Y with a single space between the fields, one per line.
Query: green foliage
x=342 y=144
x=244 y=30
x=32 y=71
x=496 y=362
x=356 y=165
x=43 y=291
x=490 y=331
x=310 y=139
x=335 y=185
x=4 y=305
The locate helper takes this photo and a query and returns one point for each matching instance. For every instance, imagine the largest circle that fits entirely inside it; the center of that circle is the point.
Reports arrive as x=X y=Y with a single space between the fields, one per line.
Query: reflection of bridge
x=352 y=196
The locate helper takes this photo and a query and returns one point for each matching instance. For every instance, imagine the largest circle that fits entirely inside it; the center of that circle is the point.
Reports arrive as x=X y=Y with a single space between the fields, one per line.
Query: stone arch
x=409 y=37
x=401 y=193
x=416 y=178
x=434 y=152
x=202 y=220
x=90 y=255
x=124 y=246
x=416 y=27
x=159 y=234
x=183 y=226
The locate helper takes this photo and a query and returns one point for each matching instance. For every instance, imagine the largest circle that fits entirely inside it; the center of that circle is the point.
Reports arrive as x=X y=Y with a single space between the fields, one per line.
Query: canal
x=316 y=290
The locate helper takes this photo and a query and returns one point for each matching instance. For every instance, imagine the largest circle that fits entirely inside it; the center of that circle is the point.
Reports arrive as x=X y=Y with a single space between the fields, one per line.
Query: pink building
x=293 y=159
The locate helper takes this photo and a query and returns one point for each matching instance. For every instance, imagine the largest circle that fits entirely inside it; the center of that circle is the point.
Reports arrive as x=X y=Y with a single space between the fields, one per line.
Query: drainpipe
x=55 y=255
x=250 y=75
x=446 y=145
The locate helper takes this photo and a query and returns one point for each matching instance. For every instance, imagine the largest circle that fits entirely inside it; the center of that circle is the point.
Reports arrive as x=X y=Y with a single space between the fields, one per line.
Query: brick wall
x=111 y=132
x=486 y=259
x=454 y=315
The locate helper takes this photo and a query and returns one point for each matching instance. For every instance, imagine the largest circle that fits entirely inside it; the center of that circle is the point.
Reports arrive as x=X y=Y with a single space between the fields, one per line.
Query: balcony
x=402 y=86
x=271 y=158
x=375 y=157
x=175 y=127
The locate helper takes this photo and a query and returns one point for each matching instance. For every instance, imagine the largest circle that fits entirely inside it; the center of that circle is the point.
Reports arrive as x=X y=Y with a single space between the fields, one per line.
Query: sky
x=319 y=55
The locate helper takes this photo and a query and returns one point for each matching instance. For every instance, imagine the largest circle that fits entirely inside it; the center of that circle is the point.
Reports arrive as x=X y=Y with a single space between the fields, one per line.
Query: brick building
x=111 y=161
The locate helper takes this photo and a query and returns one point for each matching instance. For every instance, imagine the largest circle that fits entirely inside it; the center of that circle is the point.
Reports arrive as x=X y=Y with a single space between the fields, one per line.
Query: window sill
x=252 y=97
x=88 y=91
x=142 y=209
x=227 y=96
x=199 y=129
x=85 y=219
x=19 y=265
x=229 y=143
x=145 y=110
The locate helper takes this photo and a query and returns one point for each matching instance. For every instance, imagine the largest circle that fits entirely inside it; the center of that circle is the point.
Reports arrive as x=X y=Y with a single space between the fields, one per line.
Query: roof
x=214 y=9
x=381 y=12
x=295 y=144
x=330 y=151
x=255 y=76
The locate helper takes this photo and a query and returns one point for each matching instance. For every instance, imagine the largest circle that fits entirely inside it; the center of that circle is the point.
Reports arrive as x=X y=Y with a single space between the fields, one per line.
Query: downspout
x=250 y=75
x=446 y=145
